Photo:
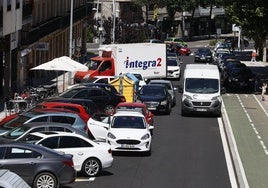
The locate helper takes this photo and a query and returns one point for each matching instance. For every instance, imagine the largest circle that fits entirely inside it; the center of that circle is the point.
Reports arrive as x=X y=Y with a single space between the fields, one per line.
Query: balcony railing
x=36 y=33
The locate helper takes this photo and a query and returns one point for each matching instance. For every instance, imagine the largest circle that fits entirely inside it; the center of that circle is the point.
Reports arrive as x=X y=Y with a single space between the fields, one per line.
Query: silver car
x=171 y=88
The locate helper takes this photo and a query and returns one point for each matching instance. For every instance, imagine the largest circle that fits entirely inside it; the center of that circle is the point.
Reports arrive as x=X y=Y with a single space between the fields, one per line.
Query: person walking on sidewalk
x=263 y=91
x=253 y=56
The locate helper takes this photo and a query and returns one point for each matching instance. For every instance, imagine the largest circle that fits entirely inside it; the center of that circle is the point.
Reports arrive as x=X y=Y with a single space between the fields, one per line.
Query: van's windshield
x=201 y=85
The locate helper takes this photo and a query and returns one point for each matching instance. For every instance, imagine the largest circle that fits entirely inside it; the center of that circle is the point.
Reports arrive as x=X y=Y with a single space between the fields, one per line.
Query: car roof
x=128 y=113
x=160 y=81
x=139 y=104
x=47 y=134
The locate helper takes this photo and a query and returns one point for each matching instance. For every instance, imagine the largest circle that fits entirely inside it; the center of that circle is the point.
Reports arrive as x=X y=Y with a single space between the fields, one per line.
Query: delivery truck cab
x=201 y=90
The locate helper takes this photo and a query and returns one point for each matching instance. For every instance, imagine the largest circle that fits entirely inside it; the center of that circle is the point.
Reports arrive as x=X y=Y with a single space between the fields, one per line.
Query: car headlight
x=163 y=102
x=216 y=98
x=188 y=97
x=145 y=137
x=110 y=135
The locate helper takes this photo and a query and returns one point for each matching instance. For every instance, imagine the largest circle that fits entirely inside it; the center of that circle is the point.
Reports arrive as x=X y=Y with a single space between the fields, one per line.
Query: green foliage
x=89 y=34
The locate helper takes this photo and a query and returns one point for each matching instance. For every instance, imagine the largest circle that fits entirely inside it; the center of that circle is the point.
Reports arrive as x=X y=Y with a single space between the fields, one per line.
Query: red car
x=183 y=50
x=149 y=116
x=77 y=108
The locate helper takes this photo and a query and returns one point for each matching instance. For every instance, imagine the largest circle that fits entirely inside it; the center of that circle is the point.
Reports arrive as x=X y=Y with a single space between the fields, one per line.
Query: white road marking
x=85 y=179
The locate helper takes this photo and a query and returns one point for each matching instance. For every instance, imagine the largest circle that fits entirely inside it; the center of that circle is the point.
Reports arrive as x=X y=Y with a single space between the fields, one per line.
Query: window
x=2 y=152
x=81 y=94
x=63 y=119
x=50 y=142
x=73 y=142
x=63 y=129
x=17 y=4
x=39 y=129
x=19 y=153
x=8 y=5
x=40 y=119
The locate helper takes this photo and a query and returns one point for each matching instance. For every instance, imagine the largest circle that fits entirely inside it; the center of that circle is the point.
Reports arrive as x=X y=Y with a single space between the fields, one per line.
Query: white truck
x=201 y=91
x=147 y=59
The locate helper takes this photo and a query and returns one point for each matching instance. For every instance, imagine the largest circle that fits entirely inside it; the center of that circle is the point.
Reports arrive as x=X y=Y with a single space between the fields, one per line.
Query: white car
x=125 y=131
x=96 y=79
x=89 y=157
x=173 y=68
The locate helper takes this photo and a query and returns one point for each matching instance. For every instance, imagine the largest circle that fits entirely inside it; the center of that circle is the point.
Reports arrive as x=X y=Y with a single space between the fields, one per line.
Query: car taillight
x=69 y=163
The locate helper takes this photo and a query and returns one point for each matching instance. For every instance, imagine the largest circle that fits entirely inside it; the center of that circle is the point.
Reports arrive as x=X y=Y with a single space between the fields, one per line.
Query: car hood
x=128 y=133
x=151 y=98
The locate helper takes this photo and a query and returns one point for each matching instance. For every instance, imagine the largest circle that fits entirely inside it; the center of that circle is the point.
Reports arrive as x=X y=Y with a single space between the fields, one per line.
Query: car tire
x=91 y=167
x=168 y=109
x=108 y=109
x=45 y=179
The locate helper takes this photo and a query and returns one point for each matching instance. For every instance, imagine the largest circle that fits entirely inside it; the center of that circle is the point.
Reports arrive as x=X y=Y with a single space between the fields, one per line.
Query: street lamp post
x=114 y=17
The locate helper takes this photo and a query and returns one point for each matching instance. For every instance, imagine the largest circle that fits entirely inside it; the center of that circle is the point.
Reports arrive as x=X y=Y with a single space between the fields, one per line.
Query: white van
x=201 y=91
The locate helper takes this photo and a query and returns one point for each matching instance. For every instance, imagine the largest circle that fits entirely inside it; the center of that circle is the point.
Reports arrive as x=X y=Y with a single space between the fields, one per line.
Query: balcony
x=34 y=34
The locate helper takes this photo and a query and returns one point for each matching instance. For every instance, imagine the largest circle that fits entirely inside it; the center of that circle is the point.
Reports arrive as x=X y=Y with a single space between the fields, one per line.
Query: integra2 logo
x=143 y=64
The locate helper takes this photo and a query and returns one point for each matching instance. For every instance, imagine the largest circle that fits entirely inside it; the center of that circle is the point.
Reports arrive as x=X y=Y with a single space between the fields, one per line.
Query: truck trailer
x=147 y=59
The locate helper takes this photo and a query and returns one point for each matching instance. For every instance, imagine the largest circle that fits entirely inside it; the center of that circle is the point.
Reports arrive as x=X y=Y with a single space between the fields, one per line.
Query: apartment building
x=33 y=32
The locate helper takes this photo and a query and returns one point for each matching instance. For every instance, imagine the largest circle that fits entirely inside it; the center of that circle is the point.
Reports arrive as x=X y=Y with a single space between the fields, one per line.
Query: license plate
x=151 y=108
x=126 y=146
x=201 y=109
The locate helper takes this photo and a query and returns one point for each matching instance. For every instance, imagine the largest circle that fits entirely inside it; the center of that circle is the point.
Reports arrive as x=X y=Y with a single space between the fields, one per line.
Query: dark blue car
x=156 y=97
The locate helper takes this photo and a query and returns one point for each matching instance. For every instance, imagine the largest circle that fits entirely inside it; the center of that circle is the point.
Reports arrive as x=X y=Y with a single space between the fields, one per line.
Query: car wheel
x=168 y=109
x=109 y=109
x=45 y=179
x=91 y=167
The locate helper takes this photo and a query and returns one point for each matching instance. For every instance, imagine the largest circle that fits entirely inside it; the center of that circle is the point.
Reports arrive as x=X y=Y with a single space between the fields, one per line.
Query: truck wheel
x=109 y=109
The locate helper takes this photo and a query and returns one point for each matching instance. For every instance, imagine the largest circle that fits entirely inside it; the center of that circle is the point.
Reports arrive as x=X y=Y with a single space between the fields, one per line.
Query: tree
x=252 y=16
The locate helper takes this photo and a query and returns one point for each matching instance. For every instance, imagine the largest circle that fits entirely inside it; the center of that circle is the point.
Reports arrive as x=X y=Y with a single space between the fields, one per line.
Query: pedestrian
x=263 y=91
x=253 y=56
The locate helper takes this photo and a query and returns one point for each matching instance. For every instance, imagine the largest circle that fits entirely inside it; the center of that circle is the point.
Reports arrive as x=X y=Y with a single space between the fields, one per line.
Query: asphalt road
x=191 y=152
x=186 y=152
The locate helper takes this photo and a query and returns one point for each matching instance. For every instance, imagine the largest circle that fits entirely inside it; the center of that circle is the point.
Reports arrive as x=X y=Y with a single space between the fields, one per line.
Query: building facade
x=33 y=32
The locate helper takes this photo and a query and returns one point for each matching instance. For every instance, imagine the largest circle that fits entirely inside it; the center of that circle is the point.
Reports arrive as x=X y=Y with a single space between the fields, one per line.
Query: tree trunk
x=264 y=48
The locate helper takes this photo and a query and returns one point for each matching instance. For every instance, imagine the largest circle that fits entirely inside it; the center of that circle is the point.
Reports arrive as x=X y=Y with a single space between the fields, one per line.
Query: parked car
x=221 y=57
x=90 y=107
x=95 y=79
x=77 y=108
x=173 y=68
x=241 y=77
x=105 y=100
x=233 y=41
x=126 y=131
x=174 y=41
x=221 y=45
x=23 y=132
x=170 y=87
x=203 y=54
x=153 y=41
x=45 y=115
x=156 y=97
x=37 y=165
x=137 y=106
x=89 y=157
x=106 y=87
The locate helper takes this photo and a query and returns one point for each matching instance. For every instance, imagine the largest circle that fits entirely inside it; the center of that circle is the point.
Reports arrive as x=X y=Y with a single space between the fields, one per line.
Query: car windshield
x=165 y=84
x=93 y=65
x=16 y=132
x=129 y=122
x=172 y=62
x=152 y=91
x=201 y=85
